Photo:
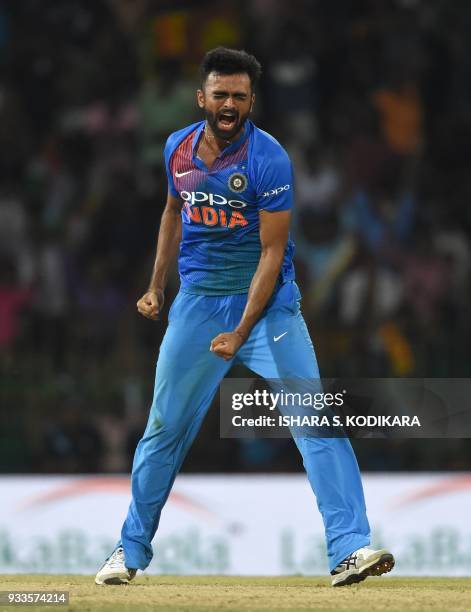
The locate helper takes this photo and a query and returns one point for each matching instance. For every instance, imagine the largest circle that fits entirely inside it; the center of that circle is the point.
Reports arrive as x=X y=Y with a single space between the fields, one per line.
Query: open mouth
x=227 y=120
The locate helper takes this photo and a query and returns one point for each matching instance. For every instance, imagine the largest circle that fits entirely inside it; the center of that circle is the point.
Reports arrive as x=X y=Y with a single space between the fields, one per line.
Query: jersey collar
x=230 y=149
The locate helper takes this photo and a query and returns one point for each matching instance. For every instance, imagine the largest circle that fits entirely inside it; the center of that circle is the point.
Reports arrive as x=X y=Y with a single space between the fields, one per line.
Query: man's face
x=227 y=100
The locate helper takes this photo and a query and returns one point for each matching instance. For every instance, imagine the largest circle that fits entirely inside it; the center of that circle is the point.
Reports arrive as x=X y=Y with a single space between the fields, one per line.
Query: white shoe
x=362 y=563
x=114 y=571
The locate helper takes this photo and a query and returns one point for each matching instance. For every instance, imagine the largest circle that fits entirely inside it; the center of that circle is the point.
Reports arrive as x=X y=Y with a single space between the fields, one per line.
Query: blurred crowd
x=370 y=97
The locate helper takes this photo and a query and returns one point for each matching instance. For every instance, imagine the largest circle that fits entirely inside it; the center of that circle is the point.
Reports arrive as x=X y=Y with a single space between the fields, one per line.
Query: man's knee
x=162 y=427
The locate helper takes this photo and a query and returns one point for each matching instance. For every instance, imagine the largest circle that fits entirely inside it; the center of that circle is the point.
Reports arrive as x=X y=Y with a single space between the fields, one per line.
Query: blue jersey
x=220 y=247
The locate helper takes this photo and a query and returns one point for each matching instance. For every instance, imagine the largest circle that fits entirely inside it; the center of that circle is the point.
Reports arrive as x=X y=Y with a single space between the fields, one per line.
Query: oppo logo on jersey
x=276 y=191
x=195 y=197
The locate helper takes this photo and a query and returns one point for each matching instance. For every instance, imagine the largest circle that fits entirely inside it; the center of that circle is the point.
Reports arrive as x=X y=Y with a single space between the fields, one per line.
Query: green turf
x=201 y=593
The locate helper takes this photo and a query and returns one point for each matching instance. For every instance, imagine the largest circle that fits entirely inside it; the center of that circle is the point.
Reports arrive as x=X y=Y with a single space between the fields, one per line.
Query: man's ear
x=200 y=98
x=252 y=102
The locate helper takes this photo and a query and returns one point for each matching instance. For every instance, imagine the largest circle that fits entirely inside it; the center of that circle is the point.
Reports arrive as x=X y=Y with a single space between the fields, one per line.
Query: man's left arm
x=274 y=230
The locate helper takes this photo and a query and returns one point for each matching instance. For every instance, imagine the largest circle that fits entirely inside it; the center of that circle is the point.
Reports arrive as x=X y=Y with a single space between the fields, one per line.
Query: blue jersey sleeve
x=169 y=148
x=275 y=182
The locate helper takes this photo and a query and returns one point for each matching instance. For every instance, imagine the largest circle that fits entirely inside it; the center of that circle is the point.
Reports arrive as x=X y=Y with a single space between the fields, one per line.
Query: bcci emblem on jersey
x=237 y=182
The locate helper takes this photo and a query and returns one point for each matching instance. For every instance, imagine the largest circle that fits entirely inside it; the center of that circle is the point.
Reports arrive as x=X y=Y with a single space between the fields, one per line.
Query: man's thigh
x=279 y=345
x=187 y=372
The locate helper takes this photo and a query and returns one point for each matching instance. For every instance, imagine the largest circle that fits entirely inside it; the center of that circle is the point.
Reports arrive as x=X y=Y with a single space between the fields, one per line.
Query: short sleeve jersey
x=220 y=247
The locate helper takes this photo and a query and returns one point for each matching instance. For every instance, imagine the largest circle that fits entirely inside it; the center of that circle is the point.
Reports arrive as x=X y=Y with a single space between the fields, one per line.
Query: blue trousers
x=187 y=378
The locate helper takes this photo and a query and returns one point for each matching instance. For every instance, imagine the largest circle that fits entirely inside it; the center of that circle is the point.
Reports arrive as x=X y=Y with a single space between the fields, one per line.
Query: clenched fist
x=151 y=304
x=227 y=344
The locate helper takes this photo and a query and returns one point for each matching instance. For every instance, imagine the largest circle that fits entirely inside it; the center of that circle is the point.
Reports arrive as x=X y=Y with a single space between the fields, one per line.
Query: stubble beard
x=225 y=135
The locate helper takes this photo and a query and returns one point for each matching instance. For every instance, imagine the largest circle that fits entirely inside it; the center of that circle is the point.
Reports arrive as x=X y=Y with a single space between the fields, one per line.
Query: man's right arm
x=169 y=238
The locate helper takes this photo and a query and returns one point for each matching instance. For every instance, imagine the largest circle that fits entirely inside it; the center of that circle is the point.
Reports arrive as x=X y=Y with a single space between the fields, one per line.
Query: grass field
x=197 y=594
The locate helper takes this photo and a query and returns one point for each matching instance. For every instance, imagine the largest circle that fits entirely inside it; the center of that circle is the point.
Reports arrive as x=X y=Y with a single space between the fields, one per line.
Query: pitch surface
x=211 y=593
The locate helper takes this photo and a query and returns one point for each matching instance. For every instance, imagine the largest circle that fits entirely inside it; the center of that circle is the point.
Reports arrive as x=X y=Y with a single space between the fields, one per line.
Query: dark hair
x=230 y=61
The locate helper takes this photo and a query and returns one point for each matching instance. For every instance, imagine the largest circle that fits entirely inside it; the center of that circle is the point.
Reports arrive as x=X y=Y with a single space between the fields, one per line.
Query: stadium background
x=370 y=97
